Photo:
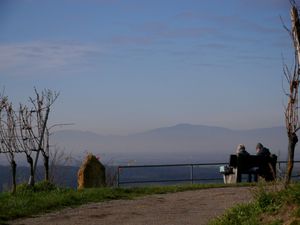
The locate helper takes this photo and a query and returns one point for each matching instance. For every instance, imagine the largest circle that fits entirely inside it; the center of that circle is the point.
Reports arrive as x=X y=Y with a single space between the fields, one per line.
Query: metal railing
x=182 y=173
x=281 y=171
x=138 y=174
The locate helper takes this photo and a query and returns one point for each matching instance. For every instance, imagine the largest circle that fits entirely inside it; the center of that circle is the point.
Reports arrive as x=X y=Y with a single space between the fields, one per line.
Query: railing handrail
x=188 y=164
x=174 y=165
x=284 y=161
x=191 y=165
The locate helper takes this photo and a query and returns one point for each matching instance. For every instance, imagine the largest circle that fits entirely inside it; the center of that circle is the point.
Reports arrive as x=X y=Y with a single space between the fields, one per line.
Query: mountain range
x=182 y=143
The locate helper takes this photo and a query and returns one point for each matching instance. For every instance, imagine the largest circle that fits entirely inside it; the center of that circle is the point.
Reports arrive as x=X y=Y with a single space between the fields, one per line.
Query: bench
x=255 y=165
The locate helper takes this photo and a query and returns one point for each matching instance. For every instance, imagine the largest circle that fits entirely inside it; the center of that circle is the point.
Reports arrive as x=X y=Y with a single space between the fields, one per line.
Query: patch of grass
x=276 y=222
x=269 y=202
x=241 y=214
x=297 y=213
x=45 y=197
x=38 y=187
x=269 y=207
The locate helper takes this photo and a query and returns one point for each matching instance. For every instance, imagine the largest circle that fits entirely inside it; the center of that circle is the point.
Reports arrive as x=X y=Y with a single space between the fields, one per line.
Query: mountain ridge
x=178 y=143
x=179 y=125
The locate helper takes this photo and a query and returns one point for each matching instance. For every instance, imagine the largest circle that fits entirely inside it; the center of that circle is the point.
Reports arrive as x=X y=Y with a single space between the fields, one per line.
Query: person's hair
x=240 y=147
x=259 y=145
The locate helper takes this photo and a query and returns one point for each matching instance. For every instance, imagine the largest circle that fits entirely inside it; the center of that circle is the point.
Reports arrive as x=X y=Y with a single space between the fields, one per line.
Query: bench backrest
x=245 y=162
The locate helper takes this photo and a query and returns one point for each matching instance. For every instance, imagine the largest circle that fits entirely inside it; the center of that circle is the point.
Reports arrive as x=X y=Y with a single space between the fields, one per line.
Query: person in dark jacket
x=262 y=151
x=265 y=169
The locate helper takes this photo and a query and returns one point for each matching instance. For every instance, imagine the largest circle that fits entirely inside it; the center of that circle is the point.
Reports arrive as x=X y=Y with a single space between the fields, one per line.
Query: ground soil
x=189 y=207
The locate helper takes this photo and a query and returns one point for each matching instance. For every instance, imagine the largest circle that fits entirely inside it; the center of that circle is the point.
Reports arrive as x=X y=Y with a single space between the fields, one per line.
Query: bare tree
x=41 y=107
x=26 y=131
x=7 y=136
x=292 y=77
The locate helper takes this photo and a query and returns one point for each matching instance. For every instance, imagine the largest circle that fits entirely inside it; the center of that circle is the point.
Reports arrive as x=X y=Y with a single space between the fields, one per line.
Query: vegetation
x=25 y=131
x=269 y=207
x=45 y=197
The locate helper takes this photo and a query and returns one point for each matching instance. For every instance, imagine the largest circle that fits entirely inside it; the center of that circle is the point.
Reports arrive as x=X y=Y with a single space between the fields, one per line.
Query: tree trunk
x=291 y=113
x=14 y=172
x=293 y=139
x=46 y=165
x=296 y=30
x=31 y=180
x=41 y=140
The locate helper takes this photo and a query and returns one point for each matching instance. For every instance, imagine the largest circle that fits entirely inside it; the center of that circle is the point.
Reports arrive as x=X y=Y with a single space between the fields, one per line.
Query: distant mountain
x=185 y=127
x=183 y=143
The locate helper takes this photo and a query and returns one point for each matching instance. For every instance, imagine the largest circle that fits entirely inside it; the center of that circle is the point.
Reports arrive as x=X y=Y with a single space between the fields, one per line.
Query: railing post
x=118 y=177
x=280 y=170
x=192 y=173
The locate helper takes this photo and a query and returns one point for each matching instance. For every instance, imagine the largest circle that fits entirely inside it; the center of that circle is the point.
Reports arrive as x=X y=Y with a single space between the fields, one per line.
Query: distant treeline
x=65 y=176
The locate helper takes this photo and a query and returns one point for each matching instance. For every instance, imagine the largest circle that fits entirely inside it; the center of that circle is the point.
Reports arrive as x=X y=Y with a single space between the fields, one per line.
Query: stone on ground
x=91 y=173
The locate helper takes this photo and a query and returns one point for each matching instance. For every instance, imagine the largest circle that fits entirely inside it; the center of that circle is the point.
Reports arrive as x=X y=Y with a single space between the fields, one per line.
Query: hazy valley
x=183 y=143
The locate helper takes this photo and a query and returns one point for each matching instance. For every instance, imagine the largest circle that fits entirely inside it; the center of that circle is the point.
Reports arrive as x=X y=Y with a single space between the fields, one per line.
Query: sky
x=125 y=66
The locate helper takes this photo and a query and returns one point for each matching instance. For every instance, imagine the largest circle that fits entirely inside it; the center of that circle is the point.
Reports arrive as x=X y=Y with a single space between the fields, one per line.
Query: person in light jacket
x=241 y=152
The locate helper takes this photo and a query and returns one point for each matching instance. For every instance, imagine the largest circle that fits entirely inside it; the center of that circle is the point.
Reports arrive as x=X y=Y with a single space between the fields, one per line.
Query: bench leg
x=249 y=178
x=255 y=177
x=238 y=177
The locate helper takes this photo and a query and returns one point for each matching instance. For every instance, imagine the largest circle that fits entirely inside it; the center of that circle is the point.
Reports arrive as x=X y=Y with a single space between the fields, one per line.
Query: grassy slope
x=269 y=208
x=45 y=197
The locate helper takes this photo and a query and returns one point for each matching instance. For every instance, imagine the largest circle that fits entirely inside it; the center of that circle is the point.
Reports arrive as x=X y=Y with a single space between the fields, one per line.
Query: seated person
x=241 y=150
x=266 y=169
x=262 y=151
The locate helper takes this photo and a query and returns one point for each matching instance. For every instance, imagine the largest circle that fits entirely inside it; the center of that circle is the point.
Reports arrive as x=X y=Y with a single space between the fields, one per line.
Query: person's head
x=259 y=146
x=240 y=148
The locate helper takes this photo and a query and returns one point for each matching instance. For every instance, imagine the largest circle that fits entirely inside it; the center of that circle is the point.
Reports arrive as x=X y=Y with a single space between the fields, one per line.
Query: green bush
x=43 y=186
x=24 y=188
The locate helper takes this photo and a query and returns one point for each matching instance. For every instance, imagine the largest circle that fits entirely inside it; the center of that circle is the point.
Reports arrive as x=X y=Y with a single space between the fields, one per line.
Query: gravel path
x=189 y=207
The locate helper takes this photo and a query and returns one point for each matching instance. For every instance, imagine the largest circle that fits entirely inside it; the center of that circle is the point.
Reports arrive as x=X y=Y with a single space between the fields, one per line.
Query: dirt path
x=190 y=207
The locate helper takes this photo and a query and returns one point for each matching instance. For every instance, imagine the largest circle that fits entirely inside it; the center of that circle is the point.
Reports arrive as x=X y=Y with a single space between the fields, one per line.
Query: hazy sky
x=124 y=66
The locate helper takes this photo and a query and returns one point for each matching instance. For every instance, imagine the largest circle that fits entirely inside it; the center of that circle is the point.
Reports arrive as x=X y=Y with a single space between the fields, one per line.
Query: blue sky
x=124 y=66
